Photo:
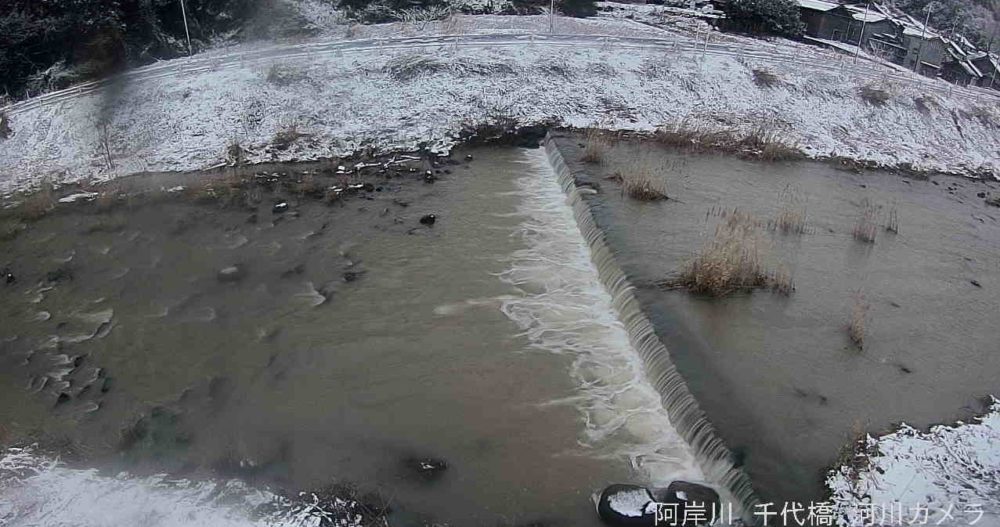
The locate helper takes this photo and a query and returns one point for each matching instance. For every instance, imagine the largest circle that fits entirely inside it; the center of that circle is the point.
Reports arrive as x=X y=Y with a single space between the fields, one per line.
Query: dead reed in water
x=859 y=316
x=866 y=227
x=731 y=262
x=595 y=147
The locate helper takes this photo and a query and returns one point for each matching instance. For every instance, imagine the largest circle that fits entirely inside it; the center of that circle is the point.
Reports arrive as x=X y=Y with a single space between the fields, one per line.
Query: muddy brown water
x=353 y=342
x=778 y=376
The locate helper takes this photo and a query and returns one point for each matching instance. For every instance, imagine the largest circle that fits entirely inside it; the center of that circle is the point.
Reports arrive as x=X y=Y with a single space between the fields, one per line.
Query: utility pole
x=186 y=32
x=552 y=14
x=862 y=37
x=923 y=31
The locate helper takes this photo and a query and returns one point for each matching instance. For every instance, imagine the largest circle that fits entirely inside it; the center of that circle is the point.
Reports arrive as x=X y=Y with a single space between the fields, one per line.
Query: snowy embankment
x=332 y=98
x=38 y=490
x=947 y=476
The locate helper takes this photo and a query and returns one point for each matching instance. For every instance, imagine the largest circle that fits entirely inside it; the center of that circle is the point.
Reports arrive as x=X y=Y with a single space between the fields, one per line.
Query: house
x=813 y=14
x=989 y=65
x=958 y=67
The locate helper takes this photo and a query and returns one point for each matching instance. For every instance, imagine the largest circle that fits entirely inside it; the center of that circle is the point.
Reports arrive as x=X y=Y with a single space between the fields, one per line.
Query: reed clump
x=866 y=227
x=643 y=180
x=859 y=318
x=731 y=261
x=595 y=147
x=791 y=218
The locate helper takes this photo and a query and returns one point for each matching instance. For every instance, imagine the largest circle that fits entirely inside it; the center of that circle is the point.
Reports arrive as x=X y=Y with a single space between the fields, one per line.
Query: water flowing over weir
x=713 y=456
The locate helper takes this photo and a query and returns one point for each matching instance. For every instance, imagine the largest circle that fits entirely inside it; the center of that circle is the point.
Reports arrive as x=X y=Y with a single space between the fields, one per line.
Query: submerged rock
x=428 y=219
x=61 y=274
x=427 y=469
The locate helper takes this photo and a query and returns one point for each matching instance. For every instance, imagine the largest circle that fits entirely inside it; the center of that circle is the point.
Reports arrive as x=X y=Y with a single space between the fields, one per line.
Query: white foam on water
x=37 y=491
x=564 y=309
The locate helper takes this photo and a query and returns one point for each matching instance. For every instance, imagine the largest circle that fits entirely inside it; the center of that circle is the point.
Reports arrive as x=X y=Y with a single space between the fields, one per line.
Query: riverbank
x=334 y=98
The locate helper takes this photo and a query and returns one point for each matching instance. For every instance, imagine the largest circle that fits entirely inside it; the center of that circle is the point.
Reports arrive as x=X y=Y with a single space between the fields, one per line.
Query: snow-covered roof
x=869 y=18
x=919 y=32
x=970 y=68
x=816 y=5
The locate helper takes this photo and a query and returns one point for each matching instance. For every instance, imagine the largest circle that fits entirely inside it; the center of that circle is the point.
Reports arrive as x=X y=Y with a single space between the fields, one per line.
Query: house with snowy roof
x=891 y=35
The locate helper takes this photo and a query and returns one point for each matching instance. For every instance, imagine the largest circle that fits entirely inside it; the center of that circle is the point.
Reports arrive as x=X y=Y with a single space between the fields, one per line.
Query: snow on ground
x=947 y=476
x=40 y=491
x=383 y=95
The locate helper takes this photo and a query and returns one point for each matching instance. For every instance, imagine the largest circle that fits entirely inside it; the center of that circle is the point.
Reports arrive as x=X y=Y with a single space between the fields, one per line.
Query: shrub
x=286 y=136
x=5 y=130
x=284 y=75
x=873 y=96
x=924 y=103
x=764 y=78
x=235 y=153
x=409 y=67
x=771 y=17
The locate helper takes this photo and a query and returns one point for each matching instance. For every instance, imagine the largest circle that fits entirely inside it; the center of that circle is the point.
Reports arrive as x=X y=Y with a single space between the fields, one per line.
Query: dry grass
x=310 y=185
x=5 y=130
x=731 y=262
x=873 y=95
x=984 y=116
x=643 y=180
x=766 y=141
x=287 y=136
x=36 y=205
x=284 y=75
x=866 y=227
x=892 y=221
x=791 y=218
x=10 y=229
x=595 y=146
x=763 y=78
x=924 y=103
x=859 y=320
x=235 y=153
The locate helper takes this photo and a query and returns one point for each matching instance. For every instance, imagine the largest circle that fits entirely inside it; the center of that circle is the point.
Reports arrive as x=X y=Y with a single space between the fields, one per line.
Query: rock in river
x=628 y=505
x=233 y=273
x=625 y=505
x=427 y=469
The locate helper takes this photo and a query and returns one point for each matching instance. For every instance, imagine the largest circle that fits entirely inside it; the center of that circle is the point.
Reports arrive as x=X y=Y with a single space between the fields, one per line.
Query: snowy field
x=377 y=89
x=947 y=476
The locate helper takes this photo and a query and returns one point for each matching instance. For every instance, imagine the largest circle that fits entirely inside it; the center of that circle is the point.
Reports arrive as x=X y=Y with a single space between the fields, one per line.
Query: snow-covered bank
x=37 y=490
x=947 y=476
x=319 y=99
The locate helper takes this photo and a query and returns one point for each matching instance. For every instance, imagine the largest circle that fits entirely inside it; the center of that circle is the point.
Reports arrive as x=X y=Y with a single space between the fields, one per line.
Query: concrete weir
x=685 y=414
